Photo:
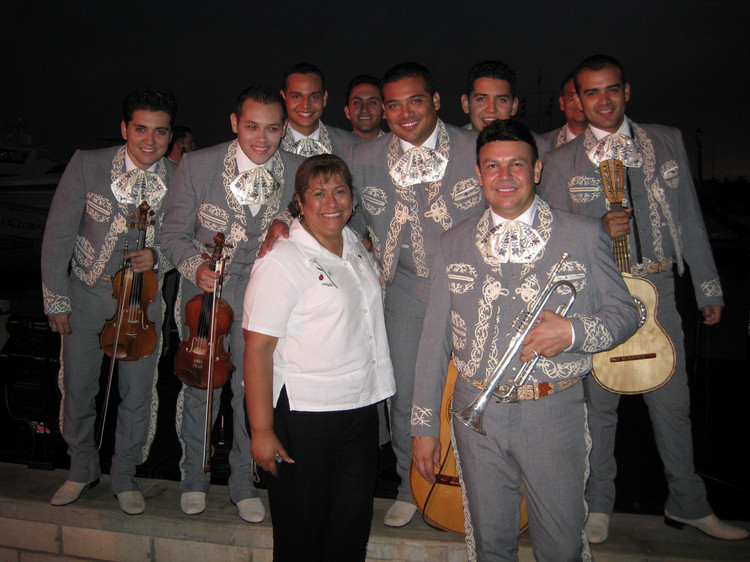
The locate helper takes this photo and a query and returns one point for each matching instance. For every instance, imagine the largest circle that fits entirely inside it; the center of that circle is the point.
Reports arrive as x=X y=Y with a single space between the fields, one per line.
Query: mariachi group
x=479 y=296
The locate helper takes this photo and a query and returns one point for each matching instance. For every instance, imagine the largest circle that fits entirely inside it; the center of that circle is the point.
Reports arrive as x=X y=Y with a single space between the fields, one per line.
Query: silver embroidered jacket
x=668 y=215
x=473 y=302
x=87 y=228
x=201 y=204
x=428 y=208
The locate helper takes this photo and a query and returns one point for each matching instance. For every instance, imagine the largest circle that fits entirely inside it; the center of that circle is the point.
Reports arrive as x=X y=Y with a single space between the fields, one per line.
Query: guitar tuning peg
x=132 y=225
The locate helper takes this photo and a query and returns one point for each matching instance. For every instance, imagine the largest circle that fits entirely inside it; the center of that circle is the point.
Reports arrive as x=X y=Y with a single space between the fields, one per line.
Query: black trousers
x=321 y=506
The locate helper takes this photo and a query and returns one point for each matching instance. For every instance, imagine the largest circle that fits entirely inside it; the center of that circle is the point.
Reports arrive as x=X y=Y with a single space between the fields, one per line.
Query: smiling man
x=87 y=234
x=665 y=229
x=415 y=183
x=235 y=188
x=482 y=281
x=491 y=95
x=364 y=106
x=304 y=91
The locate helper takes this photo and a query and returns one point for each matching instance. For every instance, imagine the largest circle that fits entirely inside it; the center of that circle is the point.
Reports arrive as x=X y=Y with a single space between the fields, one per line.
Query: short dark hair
x=179 y=132
x=409 y=70
x=320 y=167
x=261 y=94
x=598 y=62
x=150 y=100
x=507 y=130
x=495 y=69
x=358 y=81
x=303 y=68
x=569 y=76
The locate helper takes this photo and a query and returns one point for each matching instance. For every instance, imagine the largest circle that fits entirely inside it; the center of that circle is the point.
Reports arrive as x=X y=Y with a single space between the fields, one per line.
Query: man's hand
x=205 y=277
x=425 y=452
x=550 y=335
x=277 y=230
x=141 y=260
x=712 y=314
x=617 y=223
x=60 y=324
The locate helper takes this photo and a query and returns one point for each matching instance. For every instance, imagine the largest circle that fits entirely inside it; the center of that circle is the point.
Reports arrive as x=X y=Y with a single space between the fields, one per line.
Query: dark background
x=65 y=67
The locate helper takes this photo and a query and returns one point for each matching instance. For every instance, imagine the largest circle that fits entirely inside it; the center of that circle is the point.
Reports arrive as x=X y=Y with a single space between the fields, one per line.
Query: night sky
x=66 y=65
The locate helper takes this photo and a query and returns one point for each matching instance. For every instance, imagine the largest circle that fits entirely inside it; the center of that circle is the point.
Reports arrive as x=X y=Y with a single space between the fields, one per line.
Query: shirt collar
x=601 y=133
x=527 y=217
x=297 y=136
x=244 y=164
x=311 y=248
x=431 y=141
x=130 y=165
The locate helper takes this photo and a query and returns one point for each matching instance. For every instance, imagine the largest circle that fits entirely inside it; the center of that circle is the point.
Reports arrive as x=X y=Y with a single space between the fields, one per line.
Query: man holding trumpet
x=488 y=272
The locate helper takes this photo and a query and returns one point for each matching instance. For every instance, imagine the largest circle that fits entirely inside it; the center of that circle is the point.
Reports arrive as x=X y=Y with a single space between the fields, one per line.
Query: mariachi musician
x=665 y=229
x=88 y=230
x=235 y=188
x=487 y=272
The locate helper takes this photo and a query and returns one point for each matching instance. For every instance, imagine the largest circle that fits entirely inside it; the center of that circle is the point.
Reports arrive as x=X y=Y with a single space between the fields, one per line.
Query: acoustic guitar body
x=441 y=503
x=647 y=360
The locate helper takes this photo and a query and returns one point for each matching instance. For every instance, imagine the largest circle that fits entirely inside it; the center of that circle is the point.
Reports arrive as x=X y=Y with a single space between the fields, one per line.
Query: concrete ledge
x=95 y=530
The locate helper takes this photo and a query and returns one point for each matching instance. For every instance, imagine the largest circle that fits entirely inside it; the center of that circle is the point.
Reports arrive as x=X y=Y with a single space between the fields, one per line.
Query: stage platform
x=94 y=529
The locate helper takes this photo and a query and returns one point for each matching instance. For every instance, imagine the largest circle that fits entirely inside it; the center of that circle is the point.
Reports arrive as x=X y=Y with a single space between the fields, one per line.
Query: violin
x=129 y=335
x=201 y=360
x=130 y=327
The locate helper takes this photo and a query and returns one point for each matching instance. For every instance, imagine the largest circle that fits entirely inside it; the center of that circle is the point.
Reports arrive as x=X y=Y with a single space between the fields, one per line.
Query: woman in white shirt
x=316 y=363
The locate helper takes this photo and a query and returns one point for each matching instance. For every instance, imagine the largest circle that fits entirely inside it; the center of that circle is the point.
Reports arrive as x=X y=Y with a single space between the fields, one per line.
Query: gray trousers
x=191 y=410
x=669 y=410
x=81 y=364
x=540 y=444
x=404 y=316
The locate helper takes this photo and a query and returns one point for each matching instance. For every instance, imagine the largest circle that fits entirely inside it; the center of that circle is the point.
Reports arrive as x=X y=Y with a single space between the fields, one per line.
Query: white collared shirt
x=244 y=164
x=130 y=165
x=430 y=142
x=327 y=311
x=599 y=134
x=297 y=136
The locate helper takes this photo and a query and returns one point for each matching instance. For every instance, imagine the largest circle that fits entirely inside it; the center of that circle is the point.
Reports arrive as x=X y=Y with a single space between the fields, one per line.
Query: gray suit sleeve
x=554 y=185
x=433 y=355
x=60 y=236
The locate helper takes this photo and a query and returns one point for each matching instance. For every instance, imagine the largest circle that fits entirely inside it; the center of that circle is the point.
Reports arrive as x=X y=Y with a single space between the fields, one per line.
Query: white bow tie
x=138 y=185
x=309 y=147
x=254 y=187
x=419 y=165
x=512 y=241
x=617 y=146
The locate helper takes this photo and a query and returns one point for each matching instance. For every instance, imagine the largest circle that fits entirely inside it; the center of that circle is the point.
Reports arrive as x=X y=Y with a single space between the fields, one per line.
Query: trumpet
x=471 y=415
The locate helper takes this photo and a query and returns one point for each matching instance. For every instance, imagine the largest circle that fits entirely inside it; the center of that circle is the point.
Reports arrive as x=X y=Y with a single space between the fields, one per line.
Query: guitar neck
x=620 y=245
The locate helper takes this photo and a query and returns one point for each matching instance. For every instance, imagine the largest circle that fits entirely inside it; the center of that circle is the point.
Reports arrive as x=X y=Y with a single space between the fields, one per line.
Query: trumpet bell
x=471 y=417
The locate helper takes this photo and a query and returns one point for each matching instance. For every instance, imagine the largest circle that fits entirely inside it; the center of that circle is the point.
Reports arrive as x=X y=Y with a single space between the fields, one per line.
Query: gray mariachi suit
x=405 y=225
x=88 y=229
x=670 y=227
x=473 y=302
x=556 y=137
x=335 y=141
x=201 y=205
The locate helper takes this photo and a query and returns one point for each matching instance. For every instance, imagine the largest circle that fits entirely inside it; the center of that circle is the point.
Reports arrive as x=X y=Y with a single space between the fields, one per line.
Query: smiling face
x=147 y=136
x=490 y=99
x=365 y=109
x=410 y=110
x=569 y=104
x=325 y=208
x=602 y=97
x=507 y=174
x=305 y=100
x=259 y=129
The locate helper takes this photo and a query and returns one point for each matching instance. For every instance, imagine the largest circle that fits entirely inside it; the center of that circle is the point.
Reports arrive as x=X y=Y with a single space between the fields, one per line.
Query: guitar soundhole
x=642 y=312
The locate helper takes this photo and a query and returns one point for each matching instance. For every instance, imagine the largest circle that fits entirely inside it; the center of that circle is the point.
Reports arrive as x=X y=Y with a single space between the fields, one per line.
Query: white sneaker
x=597 y=527
x=70 y=491
x=710 y=524
x=193 y=503
x=399 y=514
x=132 y=502
x=251 y=510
